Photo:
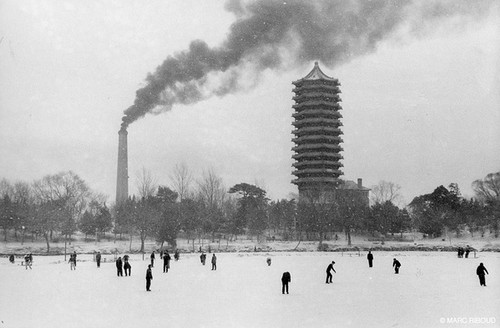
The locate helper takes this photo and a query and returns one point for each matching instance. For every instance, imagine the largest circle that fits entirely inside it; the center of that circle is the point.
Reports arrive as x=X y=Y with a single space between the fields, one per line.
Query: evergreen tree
x=103 y=220
x=252 y=208
x=87 y=224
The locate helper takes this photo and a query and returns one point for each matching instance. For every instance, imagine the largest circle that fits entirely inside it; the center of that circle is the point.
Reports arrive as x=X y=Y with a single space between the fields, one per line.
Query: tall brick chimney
x=122 y=172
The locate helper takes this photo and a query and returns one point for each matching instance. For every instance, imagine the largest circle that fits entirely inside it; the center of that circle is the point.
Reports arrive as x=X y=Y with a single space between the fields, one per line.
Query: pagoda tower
x=317 y=133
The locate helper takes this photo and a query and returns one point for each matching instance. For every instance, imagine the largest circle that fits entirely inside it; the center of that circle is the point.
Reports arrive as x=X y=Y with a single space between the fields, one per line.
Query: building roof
x=317 y=74
x=349 y=184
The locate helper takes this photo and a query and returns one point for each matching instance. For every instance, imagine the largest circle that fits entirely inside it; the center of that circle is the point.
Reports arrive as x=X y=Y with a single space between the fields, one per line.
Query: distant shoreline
x=353 y=249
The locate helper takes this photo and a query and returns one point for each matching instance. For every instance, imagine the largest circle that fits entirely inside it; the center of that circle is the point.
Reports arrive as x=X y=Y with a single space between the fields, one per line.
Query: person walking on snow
x=214 y=262
x=152 y=259
x=396 y=266
x=467 y=251
x=285 y=280
x=166 y=261
x=149 y=277
x=72 y=261
x=480 y=273
x=370 y=258
x=203 y=258
x=119 y=267
x=28 y=259
x=98 y=259
x=127 y=266
x=329 y=270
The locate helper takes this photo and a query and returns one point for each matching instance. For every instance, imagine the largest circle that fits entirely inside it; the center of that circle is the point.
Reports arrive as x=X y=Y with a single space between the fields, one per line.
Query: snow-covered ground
x=433 y=289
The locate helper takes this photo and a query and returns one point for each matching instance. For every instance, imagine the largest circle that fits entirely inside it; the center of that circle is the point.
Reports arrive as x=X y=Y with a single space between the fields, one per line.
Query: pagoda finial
x=317 y=74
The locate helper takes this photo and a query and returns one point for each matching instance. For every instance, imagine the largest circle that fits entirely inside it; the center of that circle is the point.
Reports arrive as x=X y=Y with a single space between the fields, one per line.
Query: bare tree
x=146 y=183
x=386 y=191
x=488 y=189
x=64 y=185
x=488 y=192
x=211 y=189
x=181 y=180
x=22 y=192
x=5 y=188
x=211 y=194
x=62 y=200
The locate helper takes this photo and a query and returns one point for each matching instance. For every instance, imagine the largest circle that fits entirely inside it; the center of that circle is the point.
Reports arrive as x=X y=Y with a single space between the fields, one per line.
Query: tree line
x=59 y=205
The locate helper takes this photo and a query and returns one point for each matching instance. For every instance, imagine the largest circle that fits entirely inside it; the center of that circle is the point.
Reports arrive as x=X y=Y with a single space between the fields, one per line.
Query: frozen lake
x=432 y=290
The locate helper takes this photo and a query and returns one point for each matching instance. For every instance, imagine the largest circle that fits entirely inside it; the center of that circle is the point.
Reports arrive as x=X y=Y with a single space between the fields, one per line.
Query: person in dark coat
x=214 y=262
x=152 y=259
x=127 y=266
x=98 y=259
x=11 y=258
x=370 y=259
x=268 y=261
x=203 y=258
x=149 y=277
x=329 y=270
x=72 y=261
x=119 y=267
x=480 y=273
x=28 y=259
x=468 y=249
x=166 y=262
x=396 y=265
x=285 y=280
x=176 y=255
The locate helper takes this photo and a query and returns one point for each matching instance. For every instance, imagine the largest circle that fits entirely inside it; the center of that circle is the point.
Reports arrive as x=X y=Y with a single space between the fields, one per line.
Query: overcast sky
x=420 y=109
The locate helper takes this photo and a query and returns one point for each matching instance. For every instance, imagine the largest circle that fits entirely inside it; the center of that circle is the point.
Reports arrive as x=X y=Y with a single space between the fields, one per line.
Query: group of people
x=395 y=263
x=166 y=259
x=464 y=251
x=286 y=278
x=166 y=264
x=28 y=260
x=123 y=264
x=203 y=259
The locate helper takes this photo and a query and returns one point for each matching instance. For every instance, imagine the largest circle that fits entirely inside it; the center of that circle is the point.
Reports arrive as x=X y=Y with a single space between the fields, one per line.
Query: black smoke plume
x=272 y=34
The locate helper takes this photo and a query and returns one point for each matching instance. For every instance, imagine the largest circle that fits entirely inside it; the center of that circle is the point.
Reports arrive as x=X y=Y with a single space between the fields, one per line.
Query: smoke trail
x=272 y=34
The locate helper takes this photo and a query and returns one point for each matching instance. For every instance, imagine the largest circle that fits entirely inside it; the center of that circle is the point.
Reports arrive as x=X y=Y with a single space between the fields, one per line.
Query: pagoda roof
x=316 y=103
x=320 y=171
x=316 y=180
x=307 y=163
x=317 y=129
x=314 y=113
x=316 y=74
x=327 y=146
x=313 y=137
x=317 y=154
